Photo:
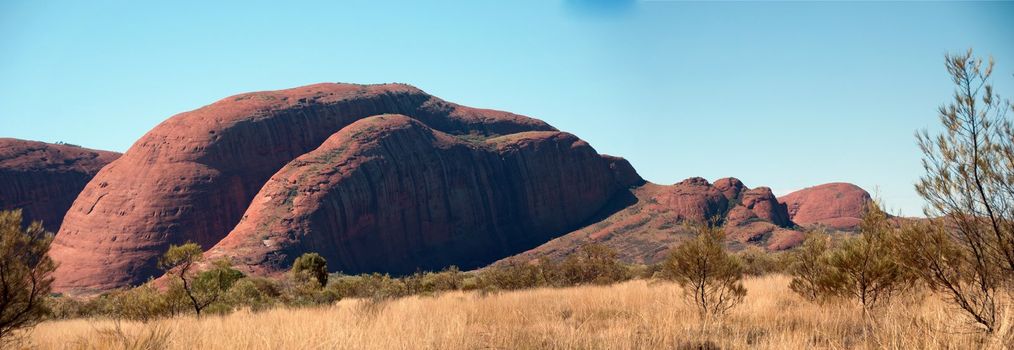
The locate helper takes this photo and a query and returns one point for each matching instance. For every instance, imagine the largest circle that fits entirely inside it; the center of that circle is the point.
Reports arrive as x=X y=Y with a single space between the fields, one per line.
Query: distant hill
x=43 y=179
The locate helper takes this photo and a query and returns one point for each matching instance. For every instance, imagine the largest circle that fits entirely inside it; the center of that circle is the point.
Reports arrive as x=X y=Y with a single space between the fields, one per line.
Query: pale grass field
x=632 y=315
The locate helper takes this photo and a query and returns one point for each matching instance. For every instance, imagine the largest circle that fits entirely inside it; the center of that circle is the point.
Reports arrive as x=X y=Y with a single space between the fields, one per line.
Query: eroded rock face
x=43 y=179
x=651 y=221
x=692 y=199
x=835 y=205
x=388 y=193
x=192 y=177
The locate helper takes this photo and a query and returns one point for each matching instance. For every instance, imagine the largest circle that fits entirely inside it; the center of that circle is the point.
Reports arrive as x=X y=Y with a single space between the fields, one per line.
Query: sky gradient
x=779 y=94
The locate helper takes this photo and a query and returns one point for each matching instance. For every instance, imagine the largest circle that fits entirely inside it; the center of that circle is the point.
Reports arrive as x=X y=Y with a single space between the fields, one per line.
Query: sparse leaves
x=25 y=273
x=711 y=278
x=968 y=249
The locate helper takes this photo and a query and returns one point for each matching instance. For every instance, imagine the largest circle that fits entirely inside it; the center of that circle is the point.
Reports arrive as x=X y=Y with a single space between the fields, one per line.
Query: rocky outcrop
x=653 y=219
x=43 y=179
x=623 y=172
x=836 y=205
x=390 y=194
x=192 y=177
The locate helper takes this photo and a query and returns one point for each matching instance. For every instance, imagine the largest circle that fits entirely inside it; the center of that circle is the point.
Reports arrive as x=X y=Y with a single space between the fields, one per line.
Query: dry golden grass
x=632 y=315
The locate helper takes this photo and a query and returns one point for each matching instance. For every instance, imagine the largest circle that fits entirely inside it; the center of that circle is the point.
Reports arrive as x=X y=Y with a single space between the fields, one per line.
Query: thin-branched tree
x=25 y=273
x=711 y=278
x=204 y=288
x=967 y=249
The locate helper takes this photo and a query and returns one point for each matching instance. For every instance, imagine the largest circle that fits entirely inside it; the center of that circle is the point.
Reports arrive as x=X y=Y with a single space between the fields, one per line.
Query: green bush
x=435 y=282
x=63 y=308
x=758 y=262
x=518 y=276
x=372 y=286
x=594 y=263
x=143 y=303
x=311 y=266
x=255 y=293
x=711 y=278
x=303 y=293
x=864 y=267
x=26 y=271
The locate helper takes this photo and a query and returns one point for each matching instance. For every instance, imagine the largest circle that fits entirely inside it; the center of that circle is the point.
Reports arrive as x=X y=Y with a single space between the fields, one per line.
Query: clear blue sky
x=782 y=94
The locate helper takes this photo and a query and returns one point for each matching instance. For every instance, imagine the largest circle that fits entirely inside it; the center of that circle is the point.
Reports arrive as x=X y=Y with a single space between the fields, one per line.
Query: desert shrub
x=810 y=268
x=63 y=307
x=255 y=293
x=26 y=269
x=758 y=262
x=372 y=286
x=297 y=293
x=593 y=263
x=864 y=267
x=177 y=301
x=434 y=282
x=712 y=279
x=143 y=303
x=207 y=287
x=518 y=276
x=639 y=271
x=311 y=266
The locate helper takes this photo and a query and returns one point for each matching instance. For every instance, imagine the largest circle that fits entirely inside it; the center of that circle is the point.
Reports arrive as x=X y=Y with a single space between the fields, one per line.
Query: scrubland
x=638 y=314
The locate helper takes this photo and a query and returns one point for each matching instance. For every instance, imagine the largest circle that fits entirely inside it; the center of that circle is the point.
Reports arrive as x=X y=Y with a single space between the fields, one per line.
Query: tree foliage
x=311 y=265
x=711 y=278
x=967 y=251
x=593 y=263
x=864 y=268
x=204 y=288
x=810 y=267
x=25 y=273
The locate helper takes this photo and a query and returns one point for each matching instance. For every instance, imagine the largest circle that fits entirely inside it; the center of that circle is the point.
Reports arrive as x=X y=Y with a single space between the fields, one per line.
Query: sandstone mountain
x=388 y=193
x=43 y=179
x=834 y=205
x=192 y=178
x=381 y=178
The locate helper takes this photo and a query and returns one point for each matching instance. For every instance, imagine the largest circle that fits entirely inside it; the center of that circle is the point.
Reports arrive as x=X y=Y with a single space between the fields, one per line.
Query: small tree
x=810 y=268
x=211 y=285
x=311 y=265
x=208 y=286
x=25 y=273
x=864 y=268
x=968 y=251
x=179 y=260
x=711 y=278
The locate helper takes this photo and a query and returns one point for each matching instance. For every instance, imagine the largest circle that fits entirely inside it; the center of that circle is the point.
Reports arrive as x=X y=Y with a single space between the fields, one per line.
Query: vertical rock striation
x=193 y=176
x=43 y=179
x=388 y=193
